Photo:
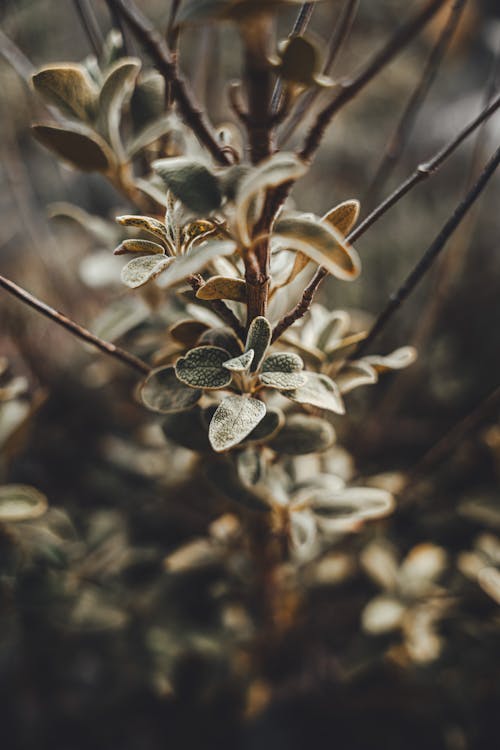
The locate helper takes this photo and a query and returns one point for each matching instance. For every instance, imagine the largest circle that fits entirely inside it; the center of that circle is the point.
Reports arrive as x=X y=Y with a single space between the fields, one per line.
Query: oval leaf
x=147 y=224
x=258 y=339
x=234 y=419
x=319 y=391
x=78 y=145
x=117 y=85
x=283 y=362
x=191 y=182
x=203 y=368
x=353 y=502
x=20 y=502
x=162 y=392
x=187 y=332
x=267 y=428
x=68 y=87
x=138 y=246
x=300 y=62
x=139 y=271
x=303 y=434
x=223 y=287
x=344 y=216
x=283 y=381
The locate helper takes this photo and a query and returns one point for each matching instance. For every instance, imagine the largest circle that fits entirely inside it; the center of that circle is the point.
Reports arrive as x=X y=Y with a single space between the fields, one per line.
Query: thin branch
x=105 y=346
x=423 y=171
x=160 y=54
x=90 y=24
x=220 y=308
x=404 y=128
x=17 y=59
x=428 y=258
x=340 y=33
x=117 y=23
x=299 y=27
x=350 y=88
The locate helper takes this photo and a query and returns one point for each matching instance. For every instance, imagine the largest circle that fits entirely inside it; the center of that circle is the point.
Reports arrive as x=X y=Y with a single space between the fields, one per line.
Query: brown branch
x=17 y=59
x=160 y=54
x=424 y=170
x=105 y=346
x=350 y=88
x=299 y=27
x=90 y=25
x=404 y=128
x=428 y=258
x=220 y=308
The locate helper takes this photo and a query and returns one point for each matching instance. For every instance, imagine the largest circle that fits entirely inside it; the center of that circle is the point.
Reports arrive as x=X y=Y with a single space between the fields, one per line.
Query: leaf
x=283 y=381
x=234 y=419
x=77 y=144
x=187 y=332
x=397 y=360
x=267 y=428
x=20 y=502
x=196 y=260
x=283 y=362
x=258 y=339
x=230 y=179
x=223 y=287
x=321 y=242
x=319 y=391
x=147 y=103
x=117 y=85
x=162 y=392
x=139 y=271
x=299 y=62
x=354 y=374
x=344 y=216
x=241 y=363
x=191 y=182
x=275 y=170
x=70 y=88
x=353 y=502
x=202 y=368
x=300 y=261
x=148 y=135
x=147 y=224
x=303 y=434
x=188 y=429
x=139 y=246
x=223 y=337
x=98 y=228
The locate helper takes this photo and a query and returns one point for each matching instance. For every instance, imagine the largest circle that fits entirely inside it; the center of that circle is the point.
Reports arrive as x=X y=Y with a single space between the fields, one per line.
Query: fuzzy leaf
x=241 y=363
x=234 y=419
x=147 y=224
x=275 y=170
x=77 y=144
x=139 y=271
x=283 y=362
x=69 y=87
x=191 y=182
x=303 y=434
x=258 y=339
x=223 y=337
x=344 y=216
x=267 y=428
x=139 y=246
x=188 y=429
x=354 y=374
x=20 y=502
x=283 y=381
x=162 y=392
x=321 y=242
x=187 y=332
x=117 y=85
x=202 y=368
x=319 y=391
x=195 y=260
x=223 y=287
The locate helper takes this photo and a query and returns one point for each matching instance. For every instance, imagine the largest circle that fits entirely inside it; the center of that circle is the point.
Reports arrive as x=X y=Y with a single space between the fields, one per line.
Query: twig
x=220 y=308
x=13 y=55
x=404 y=128
x=299 y=27
x=424 y=170
x=77 y=330
x=428 y=258
x=339 y=36
x=89 y=23
x=117 y=22
x=160 y=54
x=350 y=88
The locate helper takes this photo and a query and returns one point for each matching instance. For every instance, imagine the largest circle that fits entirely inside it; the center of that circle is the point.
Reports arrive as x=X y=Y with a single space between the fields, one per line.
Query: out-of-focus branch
x=299 y=27
x=220 y=308
x=89 y=22
x=13 y=55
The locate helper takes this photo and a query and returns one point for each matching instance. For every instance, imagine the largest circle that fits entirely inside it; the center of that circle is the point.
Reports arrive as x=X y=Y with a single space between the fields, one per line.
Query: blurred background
x=93 y=673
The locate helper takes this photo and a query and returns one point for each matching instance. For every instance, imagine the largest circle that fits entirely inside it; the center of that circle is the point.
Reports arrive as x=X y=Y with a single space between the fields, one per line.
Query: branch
x=220 y=308
x=89 y=23
x=350 y=88
x=428 y=258
x=299 y=27
x=404 y=128
x=105 y=346
x=17 y=59
x=424 y=170
x=194 y=117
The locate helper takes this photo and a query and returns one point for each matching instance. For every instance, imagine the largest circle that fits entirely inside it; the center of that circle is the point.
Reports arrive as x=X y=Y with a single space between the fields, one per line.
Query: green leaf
x=147 y=224
x=191 y=182
x=117 y=85
x=300 y=62
x=139 y=271
x=139 y=246
x=187 y=332
x=344 y=216
x=188 y=429
x=267 y=428
x=320 y=391
x=230 y=179
x=162 y=392
x=223 y=287
x=195 y=260
x=203 y=368
x=283 y=362
x=20 y=502
x=303 y=434
x=275 y=170
x=241 y=363
x=77 y=144
x=258 y=339
x=321 y=242
x=68 y=87
x=234 y=419
x=223 y=337
x=282 y=381
x=147 y=103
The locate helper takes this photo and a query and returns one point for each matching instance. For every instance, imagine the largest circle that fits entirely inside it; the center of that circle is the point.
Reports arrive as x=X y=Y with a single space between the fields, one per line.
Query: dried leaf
x=162 y=392
x=147 y=224
x=203 y=368
x=139 y=271
x=138 y=246
x=77 y=144
x=191 y=182
x=223 y=287
x=303 y=434
x=234 y=419
x=241 y=363
x=70 y=88
x=20 y=502
x=258 y=339
x=320 y=391
x=344 y=216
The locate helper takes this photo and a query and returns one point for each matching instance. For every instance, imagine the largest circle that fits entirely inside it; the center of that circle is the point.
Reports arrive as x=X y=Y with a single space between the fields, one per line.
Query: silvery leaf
x=202 y=367
x=234 y=419
x=164 y=393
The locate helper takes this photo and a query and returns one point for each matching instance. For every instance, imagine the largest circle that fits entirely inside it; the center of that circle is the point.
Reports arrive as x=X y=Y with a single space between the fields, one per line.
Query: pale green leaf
x=303 y=434
x=344 y=216
x=283 y=381
x=223 y=287
x=241 y=363
x=258 y=339
x=319 y=391
x=139 y=271
x=116 y=87
x=77 y=144
x=162 y=392
x=191 y=182
x=147 y=104
x=321 y=242
x=69 y=87
x=139 y=246
x=20 y=502
x=195 y=260
x=283 y=362
x=234 y=419
x=202 y=367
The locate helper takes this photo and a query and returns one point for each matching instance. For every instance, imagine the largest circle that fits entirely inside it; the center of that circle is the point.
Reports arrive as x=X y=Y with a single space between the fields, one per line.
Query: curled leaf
x=202 y=367
x=20 y=502
x=147 y=224
x=191 y=182
x=354 y=374
x=223 y=287
x=344 y=216
x=320 y=391
x=139 y=246
x=397 y=360
x=69 y=87
x=162 y=392
x=117 y=85
x=234 y=419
